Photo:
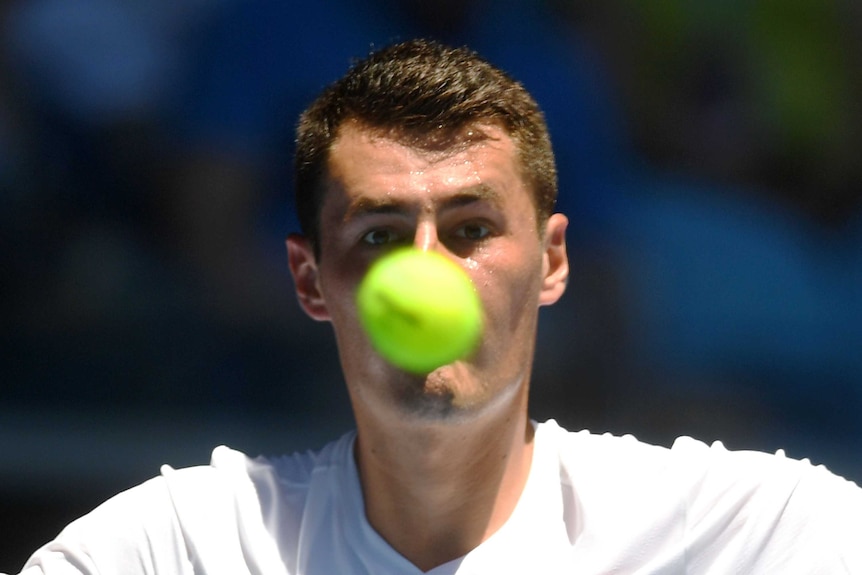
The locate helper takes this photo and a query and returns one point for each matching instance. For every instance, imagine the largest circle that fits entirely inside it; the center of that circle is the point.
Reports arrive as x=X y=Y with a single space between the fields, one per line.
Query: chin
x=449 y=393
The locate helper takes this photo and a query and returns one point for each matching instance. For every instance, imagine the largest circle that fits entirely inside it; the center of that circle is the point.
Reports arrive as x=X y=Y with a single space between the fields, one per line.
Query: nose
x=426 y=238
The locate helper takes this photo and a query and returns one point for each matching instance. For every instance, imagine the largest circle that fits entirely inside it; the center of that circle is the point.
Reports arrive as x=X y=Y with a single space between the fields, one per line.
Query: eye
x=473 y=232
x=380 y=237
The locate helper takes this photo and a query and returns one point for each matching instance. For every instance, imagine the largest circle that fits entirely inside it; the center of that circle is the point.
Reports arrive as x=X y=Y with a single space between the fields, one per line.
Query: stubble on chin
x=444 y=395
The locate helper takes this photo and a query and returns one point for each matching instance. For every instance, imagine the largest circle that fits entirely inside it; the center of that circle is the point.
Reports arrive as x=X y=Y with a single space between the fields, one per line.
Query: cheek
x=338 y=282
x=510 y=295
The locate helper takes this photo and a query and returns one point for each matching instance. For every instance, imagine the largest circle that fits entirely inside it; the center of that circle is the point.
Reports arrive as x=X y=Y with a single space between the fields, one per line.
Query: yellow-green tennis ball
x=420 y=309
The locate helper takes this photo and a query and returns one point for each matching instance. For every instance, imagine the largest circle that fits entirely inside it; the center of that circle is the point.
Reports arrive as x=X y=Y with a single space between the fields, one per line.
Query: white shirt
x=593 y=504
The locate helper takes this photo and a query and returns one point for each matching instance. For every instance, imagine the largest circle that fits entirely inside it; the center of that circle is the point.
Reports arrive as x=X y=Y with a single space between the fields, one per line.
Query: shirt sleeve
x=827 y=509
x=134 y=533
x=751 y=512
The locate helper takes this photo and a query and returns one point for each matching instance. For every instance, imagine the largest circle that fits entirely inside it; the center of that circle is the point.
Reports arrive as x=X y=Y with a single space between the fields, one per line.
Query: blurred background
x=709 y=162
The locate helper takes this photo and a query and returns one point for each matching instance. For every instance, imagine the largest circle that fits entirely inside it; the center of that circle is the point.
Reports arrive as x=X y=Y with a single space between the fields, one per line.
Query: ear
x=303 y=267
x=555 y=268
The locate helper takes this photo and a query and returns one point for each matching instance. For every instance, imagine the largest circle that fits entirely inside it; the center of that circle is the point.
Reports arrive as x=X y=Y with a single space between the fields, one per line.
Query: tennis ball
x=420 y=309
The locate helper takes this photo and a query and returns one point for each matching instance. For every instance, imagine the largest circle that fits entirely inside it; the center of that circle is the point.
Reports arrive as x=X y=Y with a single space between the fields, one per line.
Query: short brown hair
x=422 y=89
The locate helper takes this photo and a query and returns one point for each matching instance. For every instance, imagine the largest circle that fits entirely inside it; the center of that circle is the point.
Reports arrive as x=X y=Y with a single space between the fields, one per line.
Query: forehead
x=365 y=160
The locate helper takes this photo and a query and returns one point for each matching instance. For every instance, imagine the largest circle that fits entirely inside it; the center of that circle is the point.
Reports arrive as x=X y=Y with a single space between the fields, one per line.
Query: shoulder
x=605 y=453
x=236 y=502
x=271 y=477
x=695 y=468
x=777 y=512
x=688 y=459
x=133 y=532
x=727 y=508
x=232 y=472
x=759 y=477
x=146 y=529
x=207 y=518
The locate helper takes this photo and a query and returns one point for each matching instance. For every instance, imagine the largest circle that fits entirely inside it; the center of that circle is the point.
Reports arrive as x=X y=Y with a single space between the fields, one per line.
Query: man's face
x=468 y=202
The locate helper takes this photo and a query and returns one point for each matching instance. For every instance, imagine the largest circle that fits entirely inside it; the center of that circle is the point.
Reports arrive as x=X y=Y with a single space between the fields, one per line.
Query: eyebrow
x=365 y=206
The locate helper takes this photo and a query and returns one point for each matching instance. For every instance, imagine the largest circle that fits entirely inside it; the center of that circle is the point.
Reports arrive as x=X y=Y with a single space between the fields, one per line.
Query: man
x=428 y=146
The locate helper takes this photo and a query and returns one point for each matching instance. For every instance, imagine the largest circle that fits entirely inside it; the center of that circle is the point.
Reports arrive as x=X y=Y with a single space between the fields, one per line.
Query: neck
x=435 y=491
